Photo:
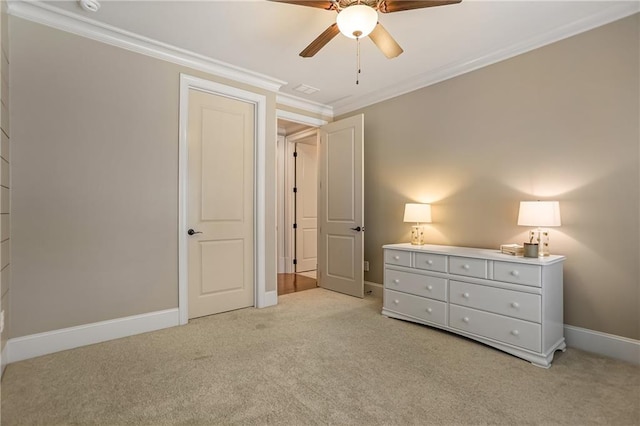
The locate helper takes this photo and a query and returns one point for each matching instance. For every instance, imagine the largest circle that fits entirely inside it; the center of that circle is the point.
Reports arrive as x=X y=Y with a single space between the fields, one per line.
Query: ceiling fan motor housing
x=357 y=21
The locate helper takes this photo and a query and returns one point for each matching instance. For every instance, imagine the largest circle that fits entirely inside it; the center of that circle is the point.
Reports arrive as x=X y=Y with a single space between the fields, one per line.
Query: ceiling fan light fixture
x=357 y=21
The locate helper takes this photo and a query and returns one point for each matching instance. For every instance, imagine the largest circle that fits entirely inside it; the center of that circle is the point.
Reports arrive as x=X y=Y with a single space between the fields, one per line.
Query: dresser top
x=490 y=254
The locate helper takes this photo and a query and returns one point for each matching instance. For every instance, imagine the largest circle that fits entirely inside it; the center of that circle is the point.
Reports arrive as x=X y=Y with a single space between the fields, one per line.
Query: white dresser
x=511 y=303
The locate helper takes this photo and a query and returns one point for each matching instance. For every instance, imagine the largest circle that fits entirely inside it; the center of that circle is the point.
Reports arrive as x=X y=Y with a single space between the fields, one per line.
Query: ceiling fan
x=359 y=18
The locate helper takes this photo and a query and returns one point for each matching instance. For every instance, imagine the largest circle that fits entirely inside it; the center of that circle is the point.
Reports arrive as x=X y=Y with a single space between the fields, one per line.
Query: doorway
x=297 y=206
x=220 y=208
x=188 y=84
x=340 y=205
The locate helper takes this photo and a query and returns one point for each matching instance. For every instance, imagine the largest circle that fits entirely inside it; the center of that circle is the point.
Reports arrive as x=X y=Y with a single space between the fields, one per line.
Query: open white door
x=306 y=206
x=341 y=206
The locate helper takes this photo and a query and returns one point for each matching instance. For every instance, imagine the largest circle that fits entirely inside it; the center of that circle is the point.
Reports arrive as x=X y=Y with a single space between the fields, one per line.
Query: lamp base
x=417 y=235
x=541 y=236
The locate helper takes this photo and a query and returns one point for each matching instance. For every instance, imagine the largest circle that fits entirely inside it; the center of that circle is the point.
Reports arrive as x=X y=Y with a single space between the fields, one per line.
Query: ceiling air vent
x=303 y=88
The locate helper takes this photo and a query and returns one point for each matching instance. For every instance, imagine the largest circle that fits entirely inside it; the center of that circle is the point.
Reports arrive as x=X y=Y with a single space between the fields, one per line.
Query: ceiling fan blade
x=381 y=38
x=320 y=4
x=388 y=6
x=320 y=41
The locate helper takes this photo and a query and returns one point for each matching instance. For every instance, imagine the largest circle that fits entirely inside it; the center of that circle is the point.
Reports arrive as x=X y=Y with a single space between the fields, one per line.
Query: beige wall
x=5 y=183
x=94 y=138
x=561 y=123
x=95 y=174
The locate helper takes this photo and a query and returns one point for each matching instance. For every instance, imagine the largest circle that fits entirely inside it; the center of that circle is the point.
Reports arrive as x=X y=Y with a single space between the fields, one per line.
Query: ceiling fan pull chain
x=358 y=60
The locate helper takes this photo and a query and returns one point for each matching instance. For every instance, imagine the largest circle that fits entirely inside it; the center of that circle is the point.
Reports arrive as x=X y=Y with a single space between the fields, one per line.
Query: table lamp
x=540 y=214
x=417 y=213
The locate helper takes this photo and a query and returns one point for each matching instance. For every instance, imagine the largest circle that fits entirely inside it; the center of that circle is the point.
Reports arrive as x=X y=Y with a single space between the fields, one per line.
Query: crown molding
x=44 y=14
x=300 y=118
x=615 y=12
x=304 y=104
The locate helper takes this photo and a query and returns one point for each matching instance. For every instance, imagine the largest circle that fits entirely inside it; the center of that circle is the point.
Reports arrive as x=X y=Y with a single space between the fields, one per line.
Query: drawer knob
x=515 y=273
x=515 y=332
x=429 y=310
x=396 y=257
x=515 y=305
x=396 y=301
x=465 y=319
x=397 y=281
x=429 y=287
x=429 y=262
x=465 y=295
x=465 y=267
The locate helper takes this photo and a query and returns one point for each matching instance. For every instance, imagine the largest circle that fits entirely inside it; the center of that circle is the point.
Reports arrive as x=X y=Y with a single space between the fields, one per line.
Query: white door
x=220 y=138
x=341 y=206
x=306 y=207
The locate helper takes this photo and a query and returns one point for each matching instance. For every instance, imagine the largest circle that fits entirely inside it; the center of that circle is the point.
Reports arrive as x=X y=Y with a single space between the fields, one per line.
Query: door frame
x=286 y=234
x=188 y=82
x=289 y=197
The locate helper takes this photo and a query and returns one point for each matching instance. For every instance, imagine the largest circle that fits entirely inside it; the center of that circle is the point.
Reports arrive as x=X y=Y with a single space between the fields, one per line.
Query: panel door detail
x=221 y=134
x=306 y=207
x=341 y=206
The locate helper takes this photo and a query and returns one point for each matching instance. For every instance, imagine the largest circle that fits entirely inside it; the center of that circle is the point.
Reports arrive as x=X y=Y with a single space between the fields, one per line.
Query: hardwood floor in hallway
x=291 y=283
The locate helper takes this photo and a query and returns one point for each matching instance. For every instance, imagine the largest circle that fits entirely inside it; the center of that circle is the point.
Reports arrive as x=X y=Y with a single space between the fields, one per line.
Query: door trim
x=299 y=118
x=261 y=298
x=286 y=234
x=289 y=216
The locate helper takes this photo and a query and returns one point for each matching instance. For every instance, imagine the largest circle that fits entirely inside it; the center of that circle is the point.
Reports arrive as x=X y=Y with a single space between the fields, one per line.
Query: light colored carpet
x=317 y=358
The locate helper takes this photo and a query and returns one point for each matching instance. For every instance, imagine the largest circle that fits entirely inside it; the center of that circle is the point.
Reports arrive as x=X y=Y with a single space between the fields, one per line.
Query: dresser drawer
x=468 y=266
x=420 y=285
x=397 y=257
x=518 y=273
x=431 y=262
x=415 y=306
x=497 y=300
x=515 y=332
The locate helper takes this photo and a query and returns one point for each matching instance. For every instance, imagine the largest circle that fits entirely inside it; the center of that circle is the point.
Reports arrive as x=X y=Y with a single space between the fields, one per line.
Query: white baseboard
x=21 y=348
x=374 y=289
x=3 y=358
x=270 y=299
x=34 y=345
x=605 y=344
x=282 y=261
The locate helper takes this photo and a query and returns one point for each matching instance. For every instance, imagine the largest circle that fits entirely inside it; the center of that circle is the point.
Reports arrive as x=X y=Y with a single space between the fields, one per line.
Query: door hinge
x=295 y=261
x=295 y=154
x=295 y=226
x=295 y=189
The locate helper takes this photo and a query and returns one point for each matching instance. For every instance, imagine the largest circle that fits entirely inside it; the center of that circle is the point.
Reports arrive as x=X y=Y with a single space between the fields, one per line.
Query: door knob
x=357 y=229
x=192 y=232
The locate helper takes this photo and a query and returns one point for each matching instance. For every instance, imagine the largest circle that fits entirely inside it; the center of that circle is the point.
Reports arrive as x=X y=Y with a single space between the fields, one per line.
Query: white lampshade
x=357 y=21
x=539 y=213
x=417 y=213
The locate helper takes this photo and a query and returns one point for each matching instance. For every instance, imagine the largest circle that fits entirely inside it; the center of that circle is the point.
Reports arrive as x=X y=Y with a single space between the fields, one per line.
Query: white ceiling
x=440 y=42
